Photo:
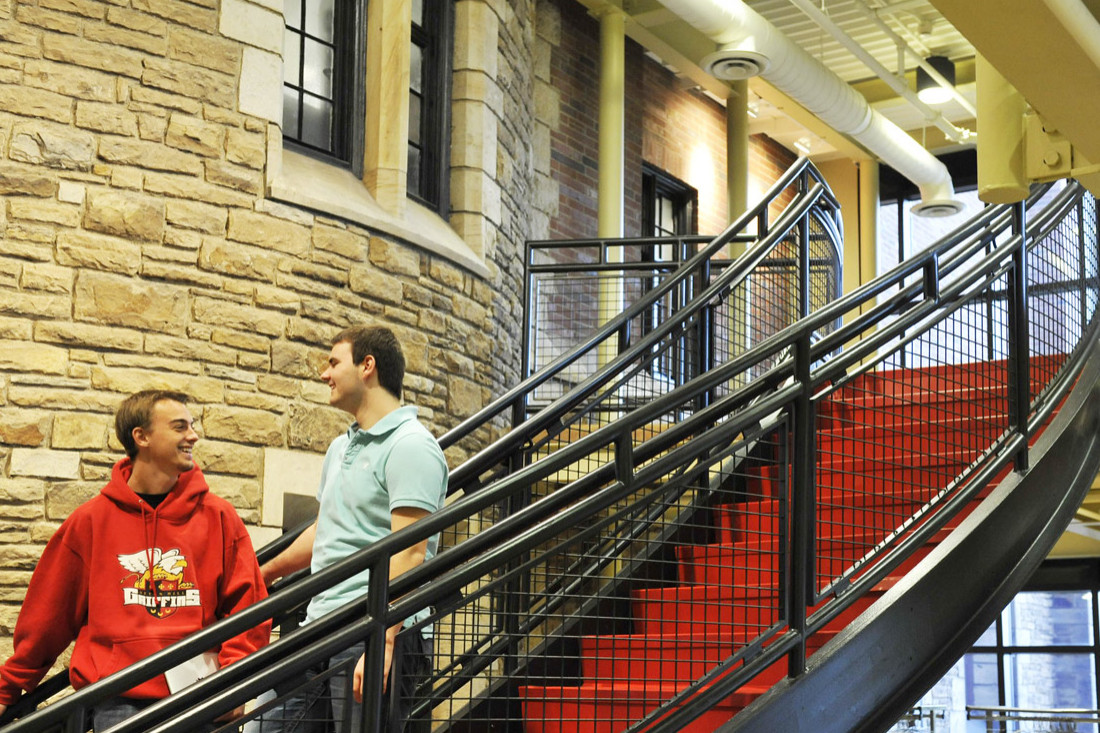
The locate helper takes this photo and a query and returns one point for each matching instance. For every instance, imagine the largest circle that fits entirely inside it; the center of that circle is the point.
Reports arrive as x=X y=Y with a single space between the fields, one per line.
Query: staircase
x=642 y=553
x=730 y=586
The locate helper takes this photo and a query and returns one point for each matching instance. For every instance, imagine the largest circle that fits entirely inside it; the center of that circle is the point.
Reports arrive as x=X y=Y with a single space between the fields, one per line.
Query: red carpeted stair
x=887 y=443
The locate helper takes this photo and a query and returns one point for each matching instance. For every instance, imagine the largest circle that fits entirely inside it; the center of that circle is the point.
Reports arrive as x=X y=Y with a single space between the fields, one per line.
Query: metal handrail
x=1030 y=715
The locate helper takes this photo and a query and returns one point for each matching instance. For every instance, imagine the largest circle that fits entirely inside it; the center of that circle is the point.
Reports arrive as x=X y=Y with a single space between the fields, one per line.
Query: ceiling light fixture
x=928 y=89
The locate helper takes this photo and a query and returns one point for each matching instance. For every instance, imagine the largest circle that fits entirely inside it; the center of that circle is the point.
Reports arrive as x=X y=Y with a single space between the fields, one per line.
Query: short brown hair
x=137 y=410
x=381 y=343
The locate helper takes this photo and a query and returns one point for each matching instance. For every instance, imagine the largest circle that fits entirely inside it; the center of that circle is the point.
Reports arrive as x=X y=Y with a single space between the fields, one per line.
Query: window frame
x=436 y=39
x=1075 y=575
x=348 y=75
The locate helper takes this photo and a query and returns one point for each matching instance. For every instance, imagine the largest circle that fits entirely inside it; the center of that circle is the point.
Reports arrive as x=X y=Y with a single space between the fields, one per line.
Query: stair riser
x=869 y=477
x=883 y=445
x=758 y=527
x=873 y=413
x=607 y=717
x=636 y=660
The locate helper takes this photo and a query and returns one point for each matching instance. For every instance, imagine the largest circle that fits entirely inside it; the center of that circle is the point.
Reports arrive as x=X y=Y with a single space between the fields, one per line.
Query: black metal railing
x=1033 y=720
x=642 y=571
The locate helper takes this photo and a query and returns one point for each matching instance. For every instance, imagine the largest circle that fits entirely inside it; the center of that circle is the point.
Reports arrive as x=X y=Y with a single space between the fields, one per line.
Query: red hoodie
x=126 y=580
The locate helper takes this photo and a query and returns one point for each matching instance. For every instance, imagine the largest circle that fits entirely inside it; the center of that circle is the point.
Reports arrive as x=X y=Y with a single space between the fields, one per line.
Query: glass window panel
x=319 y=19
x=292 y=58
x=317 y=73
x=413 y=181
x=414 y=119
x=416 y=68
x=317 y=123
x=1049 y=618
x=887 y=237
x=668 y=222
x=1045 y=681
x=988 y=637
x=292 y=13
x=980 y=673
x=418 y=12
x=290 y=113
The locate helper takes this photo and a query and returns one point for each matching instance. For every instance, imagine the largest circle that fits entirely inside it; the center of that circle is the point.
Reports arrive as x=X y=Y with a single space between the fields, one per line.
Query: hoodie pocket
x=125 y=652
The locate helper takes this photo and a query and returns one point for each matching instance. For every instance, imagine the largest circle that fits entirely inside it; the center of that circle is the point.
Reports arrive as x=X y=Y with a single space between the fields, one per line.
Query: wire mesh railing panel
x=557 y=324
x=1062 y=290
x=603 y=623
x=891 y=442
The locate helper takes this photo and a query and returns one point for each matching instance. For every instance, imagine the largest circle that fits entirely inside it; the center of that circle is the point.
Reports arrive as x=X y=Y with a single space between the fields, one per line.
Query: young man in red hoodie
x=152 y=558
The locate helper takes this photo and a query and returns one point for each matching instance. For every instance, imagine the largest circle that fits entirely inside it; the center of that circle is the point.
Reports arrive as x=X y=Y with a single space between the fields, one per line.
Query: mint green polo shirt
x=365 y=476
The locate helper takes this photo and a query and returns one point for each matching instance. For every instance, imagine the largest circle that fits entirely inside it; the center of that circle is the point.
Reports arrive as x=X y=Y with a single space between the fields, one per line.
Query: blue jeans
x=110 y=713
x=328 y=705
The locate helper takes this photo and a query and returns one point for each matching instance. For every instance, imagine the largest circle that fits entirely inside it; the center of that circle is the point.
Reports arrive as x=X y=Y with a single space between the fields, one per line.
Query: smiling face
x=345 y=378
x=169 y=438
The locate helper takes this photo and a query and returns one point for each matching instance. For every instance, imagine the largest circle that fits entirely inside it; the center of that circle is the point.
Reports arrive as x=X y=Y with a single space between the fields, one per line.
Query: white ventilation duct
x=748 y=45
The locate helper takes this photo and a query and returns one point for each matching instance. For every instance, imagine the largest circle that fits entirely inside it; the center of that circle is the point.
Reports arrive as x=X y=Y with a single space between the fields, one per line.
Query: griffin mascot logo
x=159 y=586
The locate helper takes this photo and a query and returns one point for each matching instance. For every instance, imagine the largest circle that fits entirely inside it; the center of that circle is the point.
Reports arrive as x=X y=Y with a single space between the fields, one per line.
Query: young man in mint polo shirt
x=383 y=474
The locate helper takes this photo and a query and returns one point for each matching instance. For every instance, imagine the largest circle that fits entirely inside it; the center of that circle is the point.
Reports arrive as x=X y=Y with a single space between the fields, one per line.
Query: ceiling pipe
x=749 y=46
x=904 y=48
x=900 y=86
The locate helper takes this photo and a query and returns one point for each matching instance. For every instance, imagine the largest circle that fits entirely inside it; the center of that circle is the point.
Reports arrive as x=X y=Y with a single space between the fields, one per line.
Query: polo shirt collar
x=388 y=423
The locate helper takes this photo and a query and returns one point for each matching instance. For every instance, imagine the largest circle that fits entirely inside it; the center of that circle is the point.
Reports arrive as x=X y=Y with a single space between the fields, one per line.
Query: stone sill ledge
x=313 y=184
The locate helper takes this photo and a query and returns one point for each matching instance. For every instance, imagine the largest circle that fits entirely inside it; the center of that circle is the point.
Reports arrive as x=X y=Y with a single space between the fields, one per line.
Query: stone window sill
x=313 y=184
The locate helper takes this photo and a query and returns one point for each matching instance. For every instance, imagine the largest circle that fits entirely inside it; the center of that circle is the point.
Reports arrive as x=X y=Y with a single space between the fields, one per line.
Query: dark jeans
x=328 y=706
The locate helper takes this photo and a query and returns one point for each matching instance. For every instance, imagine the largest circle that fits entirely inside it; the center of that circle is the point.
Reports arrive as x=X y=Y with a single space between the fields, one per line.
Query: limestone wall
x=141 y=246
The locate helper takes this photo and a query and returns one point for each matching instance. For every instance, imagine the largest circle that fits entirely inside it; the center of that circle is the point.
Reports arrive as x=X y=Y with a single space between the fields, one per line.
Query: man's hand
x=3 y=709
x=231 y=715
x=357 y=676
x=292 y=559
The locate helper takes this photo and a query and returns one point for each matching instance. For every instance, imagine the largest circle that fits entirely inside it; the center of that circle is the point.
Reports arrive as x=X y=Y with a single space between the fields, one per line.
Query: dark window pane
x=414 y=119
x=317 y=123
x=1049 y=618
x=290 y=113
x=413 y=183
x=292 y=58
x=319 y=19
x=416 y=66
x=318 y=69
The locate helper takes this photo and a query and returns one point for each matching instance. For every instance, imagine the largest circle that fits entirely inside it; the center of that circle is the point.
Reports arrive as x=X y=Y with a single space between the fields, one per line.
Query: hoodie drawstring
x=149 y=546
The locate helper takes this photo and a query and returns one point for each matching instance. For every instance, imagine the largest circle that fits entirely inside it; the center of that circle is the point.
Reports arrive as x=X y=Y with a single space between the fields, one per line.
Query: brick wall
x=681 y=131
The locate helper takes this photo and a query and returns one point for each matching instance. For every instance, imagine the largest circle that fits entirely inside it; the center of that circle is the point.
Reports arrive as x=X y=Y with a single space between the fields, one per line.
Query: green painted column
x=612 y=143
x=737 y=149
x=1002 y=177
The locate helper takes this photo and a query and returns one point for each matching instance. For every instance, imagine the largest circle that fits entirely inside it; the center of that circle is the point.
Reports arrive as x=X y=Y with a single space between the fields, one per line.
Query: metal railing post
x=802 y=510
x=378 y=599
x=804 y=304
x=1019 y=377
x=705 y=331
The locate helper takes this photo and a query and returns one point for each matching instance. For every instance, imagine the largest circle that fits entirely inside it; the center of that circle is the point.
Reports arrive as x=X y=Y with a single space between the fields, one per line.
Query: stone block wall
x=139 y=249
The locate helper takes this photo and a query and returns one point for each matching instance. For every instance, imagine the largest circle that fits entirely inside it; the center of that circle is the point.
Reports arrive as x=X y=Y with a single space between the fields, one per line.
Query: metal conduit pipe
x=749 y=46
x=899 y=85
x=904 y=47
